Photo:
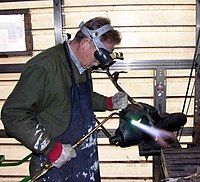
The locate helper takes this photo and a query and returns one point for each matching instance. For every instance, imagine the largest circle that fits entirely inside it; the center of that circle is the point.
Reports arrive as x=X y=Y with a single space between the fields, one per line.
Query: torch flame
x=160 y=136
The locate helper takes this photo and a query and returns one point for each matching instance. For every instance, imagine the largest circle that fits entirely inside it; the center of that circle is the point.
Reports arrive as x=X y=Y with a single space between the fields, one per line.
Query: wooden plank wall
x=151 y=30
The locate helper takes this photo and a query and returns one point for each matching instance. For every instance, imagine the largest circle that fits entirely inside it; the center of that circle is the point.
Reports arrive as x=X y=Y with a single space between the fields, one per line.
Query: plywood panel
x=178 y=86
x=112 y=123
x=11 y=179
x=44 y=41
x=44 y=20
x=27 y=4
x=158 y=38
x=9 y=76
x=186 y=139
x=125 y=169
x=6 y=88
x=21 y=170
x=176 y=105
x=156 y=53
x=107 y=170
x=1 y=104
x=9 y=141
x=14 y=152
x=134 y=87
x=128 y=2
x=1 y=124
x=113 y=153
x=140 y=37
x=179 y=72
x=134 y=15
x=189 y=122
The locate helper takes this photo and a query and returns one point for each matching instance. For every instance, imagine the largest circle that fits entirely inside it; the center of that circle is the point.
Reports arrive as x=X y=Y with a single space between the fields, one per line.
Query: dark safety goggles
x=103 y=54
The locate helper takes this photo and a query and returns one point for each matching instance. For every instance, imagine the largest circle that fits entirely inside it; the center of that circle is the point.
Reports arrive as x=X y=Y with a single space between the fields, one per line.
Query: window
x=15 y=33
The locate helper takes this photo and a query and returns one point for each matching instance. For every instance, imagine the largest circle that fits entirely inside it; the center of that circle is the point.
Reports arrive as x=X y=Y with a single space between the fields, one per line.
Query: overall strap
x=70 y=64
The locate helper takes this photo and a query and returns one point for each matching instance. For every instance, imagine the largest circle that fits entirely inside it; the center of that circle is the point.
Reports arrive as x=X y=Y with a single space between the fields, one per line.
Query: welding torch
x=48 y=166
x=114 y=78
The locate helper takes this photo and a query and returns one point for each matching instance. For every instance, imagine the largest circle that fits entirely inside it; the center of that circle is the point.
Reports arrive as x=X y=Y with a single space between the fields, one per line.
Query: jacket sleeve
x=99 y=102
x=19 y=113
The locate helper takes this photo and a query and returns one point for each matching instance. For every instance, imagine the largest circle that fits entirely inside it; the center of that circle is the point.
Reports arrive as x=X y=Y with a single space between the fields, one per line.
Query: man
x=52 y=105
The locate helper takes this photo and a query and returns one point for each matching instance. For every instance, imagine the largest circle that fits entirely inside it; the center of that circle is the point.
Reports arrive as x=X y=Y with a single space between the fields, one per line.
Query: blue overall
x=85 y=167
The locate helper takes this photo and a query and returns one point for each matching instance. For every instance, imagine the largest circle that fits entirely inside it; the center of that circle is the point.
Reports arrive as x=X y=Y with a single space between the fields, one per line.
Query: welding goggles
x=103 y=54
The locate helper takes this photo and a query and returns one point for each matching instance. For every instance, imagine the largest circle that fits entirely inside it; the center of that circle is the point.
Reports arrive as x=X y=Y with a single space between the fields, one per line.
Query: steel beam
x=197 y=72
x=151 y=64
x=58 y=21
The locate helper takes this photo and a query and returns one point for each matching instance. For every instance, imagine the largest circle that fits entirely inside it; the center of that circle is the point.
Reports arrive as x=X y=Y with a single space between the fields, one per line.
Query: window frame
x=28 y=33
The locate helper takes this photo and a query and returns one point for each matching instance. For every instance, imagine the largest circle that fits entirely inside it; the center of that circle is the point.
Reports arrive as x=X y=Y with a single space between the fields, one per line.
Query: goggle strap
x=95 y=34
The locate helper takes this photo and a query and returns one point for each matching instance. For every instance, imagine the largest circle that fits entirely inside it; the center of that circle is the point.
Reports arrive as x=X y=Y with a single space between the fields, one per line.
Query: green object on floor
x=2 y=158
x=6 y=164
x=26 y=179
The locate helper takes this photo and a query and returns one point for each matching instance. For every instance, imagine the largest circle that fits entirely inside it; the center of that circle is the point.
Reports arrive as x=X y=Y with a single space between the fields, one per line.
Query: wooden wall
x=151 y=30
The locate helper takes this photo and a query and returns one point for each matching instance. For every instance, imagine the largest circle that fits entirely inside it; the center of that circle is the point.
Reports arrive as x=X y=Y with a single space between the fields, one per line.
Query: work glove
x=61 y=153
x=118 y=101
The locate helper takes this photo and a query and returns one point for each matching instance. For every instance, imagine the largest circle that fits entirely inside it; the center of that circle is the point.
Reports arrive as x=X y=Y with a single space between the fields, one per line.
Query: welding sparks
x=158 y=135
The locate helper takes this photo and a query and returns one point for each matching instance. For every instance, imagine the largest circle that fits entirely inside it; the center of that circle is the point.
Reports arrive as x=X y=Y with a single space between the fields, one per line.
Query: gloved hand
x=120 y=100
x=61 y=153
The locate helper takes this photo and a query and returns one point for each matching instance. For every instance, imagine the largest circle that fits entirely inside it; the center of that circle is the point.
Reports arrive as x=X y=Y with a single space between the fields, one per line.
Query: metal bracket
x=160 y=89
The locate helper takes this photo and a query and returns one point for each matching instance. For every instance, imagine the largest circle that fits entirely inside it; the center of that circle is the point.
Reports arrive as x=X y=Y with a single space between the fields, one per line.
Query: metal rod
x=78 y=143
x=105 y=131
x=114 y=79
x=48 y=166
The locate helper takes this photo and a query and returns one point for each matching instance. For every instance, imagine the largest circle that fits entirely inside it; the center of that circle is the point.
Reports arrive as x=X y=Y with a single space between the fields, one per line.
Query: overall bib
x=85 y=167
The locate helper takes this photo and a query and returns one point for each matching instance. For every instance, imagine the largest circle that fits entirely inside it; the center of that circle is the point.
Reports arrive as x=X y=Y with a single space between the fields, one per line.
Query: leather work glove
x=61 y=153
x=118 y=101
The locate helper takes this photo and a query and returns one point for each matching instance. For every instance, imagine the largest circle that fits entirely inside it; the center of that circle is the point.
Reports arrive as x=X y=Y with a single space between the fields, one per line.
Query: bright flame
x=134 y=121
x=157 y=134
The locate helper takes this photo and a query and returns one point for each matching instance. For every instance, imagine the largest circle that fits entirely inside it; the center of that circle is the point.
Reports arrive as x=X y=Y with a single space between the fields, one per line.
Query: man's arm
x=19 y=112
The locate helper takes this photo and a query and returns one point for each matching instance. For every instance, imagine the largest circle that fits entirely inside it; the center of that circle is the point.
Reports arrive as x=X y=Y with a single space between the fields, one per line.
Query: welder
x=52 y=105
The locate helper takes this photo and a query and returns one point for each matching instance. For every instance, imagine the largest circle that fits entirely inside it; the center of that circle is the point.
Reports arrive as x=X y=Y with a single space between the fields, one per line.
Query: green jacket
x=38 y=109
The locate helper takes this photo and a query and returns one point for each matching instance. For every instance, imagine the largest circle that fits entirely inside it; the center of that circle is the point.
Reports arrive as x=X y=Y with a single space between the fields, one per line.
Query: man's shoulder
x=47 y=57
